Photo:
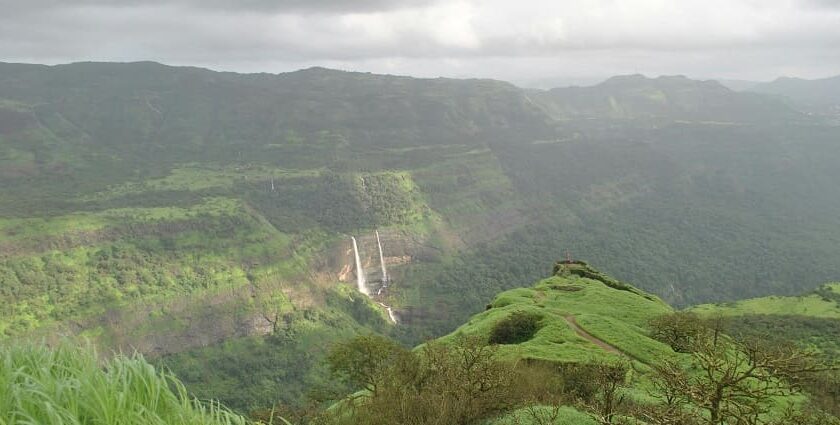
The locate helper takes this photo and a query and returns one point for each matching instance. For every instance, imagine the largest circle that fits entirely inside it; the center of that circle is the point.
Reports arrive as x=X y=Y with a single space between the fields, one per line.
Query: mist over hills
x=205 y=217
x=819 y=95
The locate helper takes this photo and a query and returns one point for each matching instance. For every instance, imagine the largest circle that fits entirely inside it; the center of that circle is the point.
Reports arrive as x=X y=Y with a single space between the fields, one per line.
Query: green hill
x=561 y=334
x=812 y=319
x=823 y=302
x=582 y=316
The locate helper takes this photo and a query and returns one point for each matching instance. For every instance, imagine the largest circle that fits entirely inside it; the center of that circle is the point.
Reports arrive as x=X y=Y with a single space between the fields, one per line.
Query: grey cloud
x=825 y=4
x=267 y=6
x=434 y=37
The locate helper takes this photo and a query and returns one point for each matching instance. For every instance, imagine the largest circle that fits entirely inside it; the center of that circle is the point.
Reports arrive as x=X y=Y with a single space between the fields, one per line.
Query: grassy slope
x=812 y=319
x=811 y=305
x=617 y=317
x=614 y=316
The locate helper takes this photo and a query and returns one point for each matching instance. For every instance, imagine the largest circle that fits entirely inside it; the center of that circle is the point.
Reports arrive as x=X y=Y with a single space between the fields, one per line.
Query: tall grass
x=69 y=385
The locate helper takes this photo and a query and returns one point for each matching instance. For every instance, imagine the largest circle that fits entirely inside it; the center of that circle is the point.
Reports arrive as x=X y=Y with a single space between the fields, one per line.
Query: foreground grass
x=69 y=385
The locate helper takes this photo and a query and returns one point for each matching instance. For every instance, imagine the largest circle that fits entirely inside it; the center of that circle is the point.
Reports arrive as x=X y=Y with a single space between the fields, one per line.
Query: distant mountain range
x=814 y=95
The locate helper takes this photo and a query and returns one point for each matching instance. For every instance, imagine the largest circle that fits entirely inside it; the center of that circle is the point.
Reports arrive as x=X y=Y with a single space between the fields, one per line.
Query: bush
x=679 y=330
x=459 y=383
x=519 y=327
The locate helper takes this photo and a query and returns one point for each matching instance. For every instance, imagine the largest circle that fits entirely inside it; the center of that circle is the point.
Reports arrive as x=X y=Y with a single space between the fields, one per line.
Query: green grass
x=614 y=316
x=197 y=177
x=812 y=320
x=69 y=385
x=564 y=415
x=812 y=305
x=16 y=229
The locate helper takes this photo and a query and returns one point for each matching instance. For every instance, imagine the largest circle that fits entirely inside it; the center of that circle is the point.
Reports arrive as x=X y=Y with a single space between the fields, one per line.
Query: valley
x=205 y=218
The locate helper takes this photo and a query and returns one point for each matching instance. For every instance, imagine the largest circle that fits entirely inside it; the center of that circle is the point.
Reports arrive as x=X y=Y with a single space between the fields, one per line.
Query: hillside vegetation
x=582 y=347
x=812 y=319
x=197 y=215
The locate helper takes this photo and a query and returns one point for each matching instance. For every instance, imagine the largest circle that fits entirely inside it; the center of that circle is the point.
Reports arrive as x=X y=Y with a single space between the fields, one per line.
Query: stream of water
x=361 y=283
x=360 y=272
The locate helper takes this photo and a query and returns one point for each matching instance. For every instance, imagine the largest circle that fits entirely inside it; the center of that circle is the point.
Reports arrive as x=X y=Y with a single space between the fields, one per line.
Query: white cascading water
x=382 y=260
x=360 y=273
x=390 y=311
x=360 y=277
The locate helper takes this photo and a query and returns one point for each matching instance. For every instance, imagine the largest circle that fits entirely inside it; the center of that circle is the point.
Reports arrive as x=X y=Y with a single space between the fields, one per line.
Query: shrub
x=519 y=327
x=679 y=330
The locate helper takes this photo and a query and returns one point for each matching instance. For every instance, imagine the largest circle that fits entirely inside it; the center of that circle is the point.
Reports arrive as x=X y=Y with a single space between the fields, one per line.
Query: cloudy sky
x=531 y=42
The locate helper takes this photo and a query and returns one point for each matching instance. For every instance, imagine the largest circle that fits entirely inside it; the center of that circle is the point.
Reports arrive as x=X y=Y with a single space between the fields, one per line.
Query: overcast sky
x=530 y=42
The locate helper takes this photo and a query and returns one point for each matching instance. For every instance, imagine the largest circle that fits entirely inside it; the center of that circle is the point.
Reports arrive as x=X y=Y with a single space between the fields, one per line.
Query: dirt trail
x=586 y=335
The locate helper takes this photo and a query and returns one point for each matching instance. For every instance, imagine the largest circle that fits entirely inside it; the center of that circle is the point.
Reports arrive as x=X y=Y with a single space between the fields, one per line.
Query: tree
x=610 y=381
x=453 y=383
x=736 y=381
x=679 y=330
x=365 y=360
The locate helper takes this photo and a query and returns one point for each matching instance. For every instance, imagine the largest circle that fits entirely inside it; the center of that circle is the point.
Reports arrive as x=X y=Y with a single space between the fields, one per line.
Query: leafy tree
x=365 y=360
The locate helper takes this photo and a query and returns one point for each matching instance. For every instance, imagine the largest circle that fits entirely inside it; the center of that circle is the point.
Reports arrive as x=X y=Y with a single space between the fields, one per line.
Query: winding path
x=589 y=337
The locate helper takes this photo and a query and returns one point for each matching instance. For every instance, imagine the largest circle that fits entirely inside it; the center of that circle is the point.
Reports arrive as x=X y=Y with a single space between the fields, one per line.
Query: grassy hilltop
x=576 y=309
x=551 y=353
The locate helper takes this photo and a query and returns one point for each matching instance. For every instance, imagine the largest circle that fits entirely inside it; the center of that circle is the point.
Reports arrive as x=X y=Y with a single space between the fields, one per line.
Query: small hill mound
x=581 y=315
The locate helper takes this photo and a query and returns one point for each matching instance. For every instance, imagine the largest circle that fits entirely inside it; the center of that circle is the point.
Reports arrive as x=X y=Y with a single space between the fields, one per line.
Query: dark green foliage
x=361 y=361
x=520 y=326
x=823 y=334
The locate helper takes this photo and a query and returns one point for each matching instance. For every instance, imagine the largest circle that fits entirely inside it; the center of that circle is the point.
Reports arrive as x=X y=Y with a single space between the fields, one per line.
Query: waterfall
x=390 y=311
x=382 y=260
x=360 y=273
x=360 y=276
